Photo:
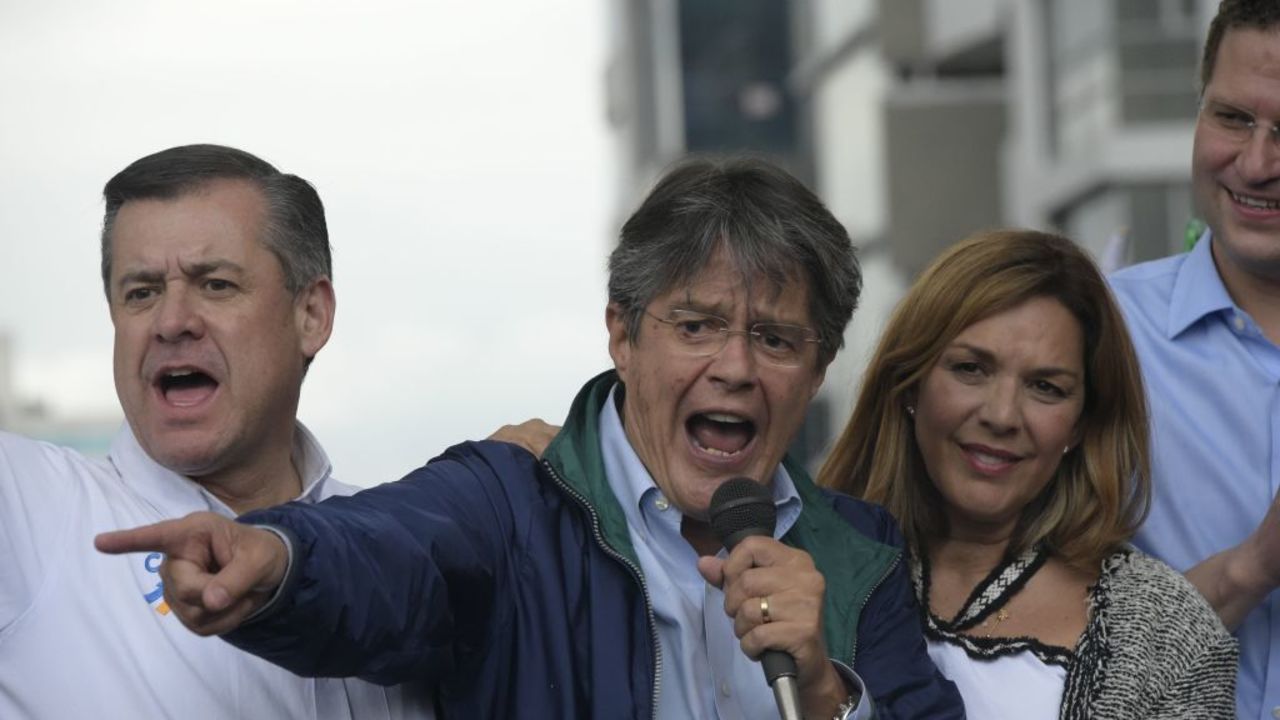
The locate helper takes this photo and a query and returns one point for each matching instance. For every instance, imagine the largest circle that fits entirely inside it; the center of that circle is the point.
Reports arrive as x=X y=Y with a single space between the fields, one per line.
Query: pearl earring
x=911 y=410
x=1066 y=450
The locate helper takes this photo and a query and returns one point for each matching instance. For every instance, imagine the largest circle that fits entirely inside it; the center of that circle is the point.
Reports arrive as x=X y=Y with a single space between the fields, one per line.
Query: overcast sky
x=459 y=147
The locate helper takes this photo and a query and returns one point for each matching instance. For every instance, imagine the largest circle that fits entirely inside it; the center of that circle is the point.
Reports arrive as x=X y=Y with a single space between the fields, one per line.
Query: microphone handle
x=777 y=664
x=788 y=698
x=779 y=667
x=780 y=671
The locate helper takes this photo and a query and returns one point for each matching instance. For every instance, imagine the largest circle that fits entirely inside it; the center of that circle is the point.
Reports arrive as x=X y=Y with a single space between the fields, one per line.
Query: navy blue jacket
x=510 y=584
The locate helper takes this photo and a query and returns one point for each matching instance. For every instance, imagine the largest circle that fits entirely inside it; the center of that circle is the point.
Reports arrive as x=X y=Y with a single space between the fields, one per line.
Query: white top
x=1011 y=686
x=87 y=635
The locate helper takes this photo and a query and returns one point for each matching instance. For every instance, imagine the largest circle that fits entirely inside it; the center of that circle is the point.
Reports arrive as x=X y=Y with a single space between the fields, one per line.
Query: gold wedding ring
x=764 y=610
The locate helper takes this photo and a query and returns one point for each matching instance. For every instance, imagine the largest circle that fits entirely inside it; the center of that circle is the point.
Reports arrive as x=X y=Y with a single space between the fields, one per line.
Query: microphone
x=740 y=508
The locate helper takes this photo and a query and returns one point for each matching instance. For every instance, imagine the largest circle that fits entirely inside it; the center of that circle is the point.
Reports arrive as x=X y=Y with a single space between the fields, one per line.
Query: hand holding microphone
x=774 y=595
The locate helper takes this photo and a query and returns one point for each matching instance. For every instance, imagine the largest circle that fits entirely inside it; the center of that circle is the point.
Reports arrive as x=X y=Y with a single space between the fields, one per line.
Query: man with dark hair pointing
x=217 y=273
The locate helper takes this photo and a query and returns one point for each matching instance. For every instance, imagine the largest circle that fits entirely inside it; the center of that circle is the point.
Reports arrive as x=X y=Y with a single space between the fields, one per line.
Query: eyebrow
x=1217 y=104
x=987 y=356
x=686 y=301
x=194 y=270
x=715 y=311
x=201 y=269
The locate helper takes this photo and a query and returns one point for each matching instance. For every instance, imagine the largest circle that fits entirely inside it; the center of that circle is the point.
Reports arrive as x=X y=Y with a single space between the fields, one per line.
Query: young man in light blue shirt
x=1207 y=329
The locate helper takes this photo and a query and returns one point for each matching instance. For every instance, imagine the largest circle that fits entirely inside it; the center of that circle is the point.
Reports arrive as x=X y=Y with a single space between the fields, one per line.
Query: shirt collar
x=633 y=486
x=173 y=494
x=314 y=467
x=1198 y=289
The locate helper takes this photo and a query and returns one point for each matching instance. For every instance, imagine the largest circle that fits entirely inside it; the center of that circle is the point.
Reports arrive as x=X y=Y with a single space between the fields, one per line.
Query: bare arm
x=1237 y=580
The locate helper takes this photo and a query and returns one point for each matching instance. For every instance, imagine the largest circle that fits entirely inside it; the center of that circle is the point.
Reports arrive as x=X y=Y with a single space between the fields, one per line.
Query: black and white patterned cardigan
x=1153 y=648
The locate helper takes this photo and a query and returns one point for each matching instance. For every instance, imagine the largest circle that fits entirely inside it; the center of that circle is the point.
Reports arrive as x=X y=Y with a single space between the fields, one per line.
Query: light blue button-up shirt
x=704 y=672
x=1213 y=381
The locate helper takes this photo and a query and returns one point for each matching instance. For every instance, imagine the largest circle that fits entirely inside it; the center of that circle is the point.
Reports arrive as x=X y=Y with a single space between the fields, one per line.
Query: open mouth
x=721 y=434
x=1254 y=203
x=185 y=387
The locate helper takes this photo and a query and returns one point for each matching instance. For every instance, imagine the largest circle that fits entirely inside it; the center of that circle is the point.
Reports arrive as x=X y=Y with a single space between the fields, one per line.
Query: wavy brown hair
x=1100 y=492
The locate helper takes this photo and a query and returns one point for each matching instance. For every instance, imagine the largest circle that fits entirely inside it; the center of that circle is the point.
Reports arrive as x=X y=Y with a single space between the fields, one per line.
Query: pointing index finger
x=145 y=538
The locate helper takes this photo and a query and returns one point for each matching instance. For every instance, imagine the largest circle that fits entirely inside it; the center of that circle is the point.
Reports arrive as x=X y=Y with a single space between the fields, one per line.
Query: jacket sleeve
x=891 y=656
x=403 y=581
x=1206 y=687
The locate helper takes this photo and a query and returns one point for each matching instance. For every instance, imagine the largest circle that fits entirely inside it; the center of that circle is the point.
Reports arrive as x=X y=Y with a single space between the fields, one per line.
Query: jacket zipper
x=635 y=572
x=867 y=598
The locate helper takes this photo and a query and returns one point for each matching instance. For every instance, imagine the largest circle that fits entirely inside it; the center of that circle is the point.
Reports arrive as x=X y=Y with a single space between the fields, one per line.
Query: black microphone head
x=741 y=507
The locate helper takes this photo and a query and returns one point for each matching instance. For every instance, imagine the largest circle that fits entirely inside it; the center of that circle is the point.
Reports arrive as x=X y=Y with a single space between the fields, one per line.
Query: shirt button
x=1239 y=323
x=661 y=503
x=724 y=690
x=1275 y=712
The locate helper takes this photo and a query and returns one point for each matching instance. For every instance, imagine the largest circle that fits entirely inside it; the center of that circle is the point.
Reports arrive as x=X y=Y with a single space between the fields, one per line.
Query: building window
x=1081 y=72
x=735 y=57
x=1156 y=44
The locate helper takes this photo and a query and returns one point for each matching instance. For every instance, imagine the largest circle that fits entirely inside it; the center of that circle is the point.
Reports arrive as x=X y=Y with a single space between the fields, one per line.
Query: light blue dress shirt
x=704 y=672
x=1213 y=382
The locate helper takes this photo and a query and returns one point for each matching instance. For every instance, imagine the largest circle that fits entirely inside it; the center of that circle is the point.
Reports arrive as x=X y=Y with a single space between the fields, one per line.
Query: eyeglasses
x=1234 y=123
x=703 y=335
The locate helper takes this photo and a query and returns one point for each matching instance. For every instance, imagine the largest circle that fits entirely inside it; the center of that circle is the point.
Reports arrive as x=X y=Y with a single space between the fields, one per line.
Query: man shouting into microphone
x=589 y=583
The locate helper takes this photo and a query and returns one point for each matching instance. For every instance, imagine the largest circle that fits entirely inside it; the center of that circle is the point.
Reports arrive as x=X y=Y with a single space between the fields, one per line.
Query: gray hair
x=769 y=223
x=296 y=232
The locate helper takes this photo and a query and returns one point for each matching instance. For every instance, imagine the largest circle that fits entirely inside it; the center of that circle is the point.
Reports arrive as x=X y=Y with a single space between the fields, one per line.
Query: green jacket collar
x=851 y=563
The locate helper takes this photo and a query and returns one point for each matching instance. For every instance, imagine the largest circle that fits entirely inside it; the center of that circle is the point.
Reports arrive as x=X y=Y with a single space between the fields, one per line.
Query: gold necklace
x=993 y=620
x=990 y=598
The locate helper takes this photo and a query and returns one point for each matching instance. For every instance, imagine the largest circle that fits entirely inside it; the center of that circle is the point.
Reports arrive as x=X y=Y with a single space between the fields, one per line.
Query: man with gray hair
x=590 y=583
x=216 y=268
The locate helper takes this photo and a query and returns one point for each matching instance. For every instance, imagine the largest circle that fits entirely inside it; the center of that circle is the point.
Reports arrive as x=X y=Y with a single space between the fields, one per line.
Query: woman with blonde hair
x=1002 y=421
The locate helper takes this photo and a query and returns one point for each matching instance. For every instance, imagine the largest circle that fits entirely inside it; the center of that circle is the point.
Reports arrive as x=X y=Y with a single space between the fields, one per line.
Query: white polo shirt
x=87 y=635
